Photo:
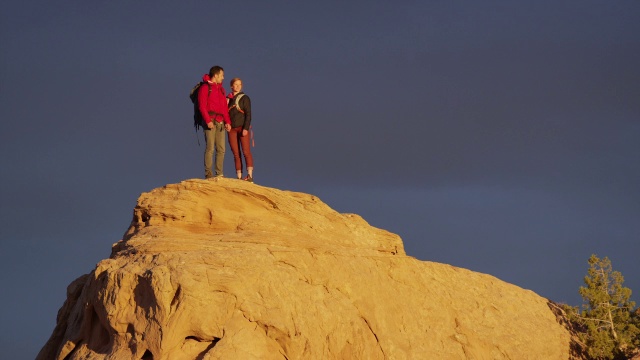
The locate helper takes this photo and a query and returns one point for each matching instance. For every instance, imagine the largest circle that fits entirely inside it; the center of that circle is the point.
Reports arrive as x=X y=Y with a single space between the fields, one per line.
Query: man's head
x=216 y=74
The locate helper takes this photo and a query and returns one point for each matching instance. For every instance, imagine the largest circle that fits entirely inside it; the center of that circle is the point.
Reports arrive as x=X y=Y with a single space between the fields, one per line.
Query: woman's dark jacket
x=237 y=117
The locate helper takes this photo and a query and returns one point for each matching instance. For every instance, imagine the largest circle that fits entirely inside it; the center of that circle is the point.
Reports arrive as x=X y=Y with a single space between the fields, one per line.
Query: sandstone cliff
x=231 y=270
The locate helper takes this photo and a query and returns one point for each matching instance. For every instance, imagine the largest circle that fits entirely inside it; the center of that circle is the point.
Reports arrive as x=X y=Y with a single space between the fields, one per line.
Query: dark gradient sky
x=498 y=136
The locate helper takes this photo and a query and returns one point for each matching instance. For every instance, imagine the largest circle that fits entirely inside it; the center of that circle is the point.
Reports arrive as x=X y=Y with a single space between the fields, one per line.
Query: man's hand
x=245 y=132
x=227 y=127
x=210 y=124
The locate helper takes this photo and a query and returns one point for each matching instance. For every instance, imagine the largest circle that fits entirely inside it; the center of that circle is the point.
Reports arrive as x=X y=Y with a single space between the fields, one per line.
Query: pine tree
x=607 y=312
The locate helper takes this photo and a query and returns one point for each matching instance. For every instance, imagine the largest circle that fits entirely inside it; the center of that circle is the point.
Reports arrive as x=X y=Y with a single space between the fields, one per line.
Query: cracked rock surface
x=227 y=269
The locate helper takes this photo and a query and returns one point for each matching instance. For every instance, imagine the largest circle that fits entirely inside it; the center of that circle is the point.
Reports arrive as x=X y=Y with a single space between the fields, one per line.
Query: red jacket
x=213 y=106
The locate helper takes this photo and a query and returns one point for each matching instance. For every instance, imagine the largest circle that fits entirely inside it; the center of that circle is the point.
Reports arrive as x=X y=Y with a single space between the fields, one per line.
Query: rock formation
x=232 y=270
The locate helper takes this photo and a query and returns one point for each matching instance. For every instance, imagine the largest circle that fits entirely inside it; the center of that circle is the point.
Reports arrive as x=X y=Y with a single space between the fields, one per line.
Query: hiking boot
x=248 y=178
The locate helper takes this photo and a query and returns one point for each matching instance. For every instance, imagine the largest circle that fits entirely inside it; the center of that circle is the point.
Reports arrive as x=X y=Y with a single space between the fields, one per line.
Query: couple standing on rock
x=222 y=113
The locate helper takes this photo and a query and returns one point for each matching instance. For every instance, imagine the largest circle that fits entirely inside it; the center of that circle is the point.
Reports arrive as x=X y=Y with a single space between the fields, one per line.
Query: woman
x=240 y=114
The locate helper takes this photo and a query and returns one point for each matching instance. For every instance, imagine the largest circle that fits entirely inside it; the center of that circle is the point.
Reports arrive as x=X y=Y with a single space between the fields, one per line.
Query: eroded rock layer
x=231 y=270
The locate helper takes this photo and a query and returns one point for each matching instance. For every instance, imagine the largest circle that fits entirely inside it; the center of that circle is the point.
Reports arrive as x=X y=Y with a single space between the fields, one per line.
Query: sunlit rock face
x=232 y=270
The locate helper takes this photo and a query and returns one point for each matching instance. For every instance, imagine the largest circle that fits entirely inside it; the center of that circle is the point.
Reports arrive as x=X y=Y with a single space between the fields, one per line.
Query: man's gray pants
x=214 y=138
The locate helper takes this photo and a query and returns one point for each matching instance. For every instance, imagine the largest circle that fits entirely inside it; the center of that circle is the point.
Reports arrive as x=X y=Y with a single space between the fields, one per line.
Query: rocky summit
x=226 y=269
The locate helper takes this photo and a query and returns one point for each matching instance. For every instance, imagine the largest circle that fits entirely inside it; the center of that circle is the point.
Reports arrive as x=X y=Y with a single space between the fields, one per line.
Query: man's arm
x=203 y=105
x=224 y=109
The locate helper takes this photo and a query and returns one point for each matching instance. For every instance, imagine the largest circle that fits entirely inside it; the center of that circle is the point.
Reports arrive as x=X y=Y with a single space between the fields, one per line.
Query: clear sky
x=497 y=136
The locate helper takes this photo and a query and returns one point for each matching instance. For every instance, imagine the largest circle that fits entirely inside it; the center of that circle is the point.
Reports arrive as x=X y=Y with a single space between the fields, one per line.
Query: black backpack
x=193 y=95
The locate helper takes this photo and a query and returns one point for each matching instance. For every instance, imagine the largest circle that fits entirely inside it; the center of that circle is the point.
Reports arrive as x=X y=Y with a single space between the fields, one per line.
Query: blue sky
x=498 y=136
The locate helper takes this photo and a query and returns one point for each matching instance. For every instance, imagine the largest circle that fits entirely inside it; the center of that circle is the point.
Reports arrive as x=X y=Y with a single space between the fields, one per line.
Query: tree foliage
x=610 y=326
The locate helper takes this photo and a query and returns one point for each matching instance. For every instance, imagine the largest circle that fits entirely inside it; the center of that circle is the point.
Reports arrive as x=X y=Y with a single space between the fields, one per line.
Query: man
x=212 y=104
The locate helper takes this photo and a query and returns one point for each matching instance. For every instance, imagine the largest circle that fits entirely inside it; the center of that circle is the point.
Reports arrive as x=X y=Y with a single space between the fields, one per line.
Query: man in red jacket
x=212 y=103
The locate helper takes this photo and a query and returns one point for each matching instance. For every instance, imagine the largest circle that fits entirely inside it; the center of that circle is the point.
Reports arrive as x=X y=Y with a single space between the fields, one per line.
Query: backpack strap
x=236 y=103
x=210 y=88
